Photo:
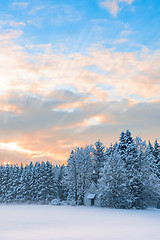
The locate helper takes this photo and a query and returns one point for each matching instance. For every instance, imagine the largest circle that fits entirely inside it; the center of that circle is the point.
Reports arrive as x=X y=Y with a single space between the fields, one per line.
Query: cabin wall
x=87 y=202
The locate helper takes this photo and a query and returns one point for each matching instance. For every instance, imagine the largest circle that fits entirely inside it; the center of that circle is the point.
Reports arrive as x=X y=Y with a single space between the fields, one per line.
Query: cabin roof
x=91 y=195
x=92 y=184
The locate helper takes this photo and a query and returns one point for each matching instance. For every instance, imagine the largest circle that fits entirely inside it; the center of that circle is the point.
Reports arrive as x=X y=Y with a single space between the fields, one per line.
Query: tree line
x=127 y=175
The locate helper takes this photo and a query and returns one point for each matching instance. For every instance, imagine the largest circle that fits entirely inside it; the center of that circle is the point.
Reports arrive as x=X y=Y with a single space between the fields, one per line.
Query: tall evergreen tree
x=156 y=153
x=129 y=154
x=84 y=157
x=15 y=183
x=79 y=173
x=98 y=158
x=151 y=179
x=71 y=178
x=112 y=184
x=1 y=183
x=6 y=182
x=61 y=183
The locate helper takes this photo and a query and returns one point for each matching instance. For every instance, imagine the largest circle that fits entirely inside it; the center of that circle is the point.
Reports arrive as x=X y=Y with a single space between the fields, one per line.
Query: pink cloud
x=113 y=5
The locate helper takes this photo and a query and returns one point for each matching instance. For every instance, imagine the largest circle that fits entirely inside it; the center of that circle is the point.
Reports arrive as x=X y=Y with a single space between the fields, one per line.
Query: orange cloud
x=55 y=144
x=46 y=120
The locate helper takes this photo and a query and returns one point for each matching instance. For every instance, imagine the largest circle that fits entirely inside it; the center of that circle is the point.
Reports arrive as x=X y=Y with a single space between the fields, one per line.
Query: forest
x=127 y=176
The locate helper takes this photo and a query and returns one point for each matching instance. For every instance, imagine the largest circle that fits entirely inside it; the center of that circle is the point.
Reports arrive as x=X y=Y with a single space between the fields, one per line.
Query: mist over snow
x=26 y=222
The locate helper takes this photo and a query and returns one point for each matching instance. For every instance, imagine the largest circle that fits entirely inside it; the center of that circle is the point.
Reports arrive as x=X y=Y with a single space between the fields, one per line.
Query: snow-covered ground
x=76 y=223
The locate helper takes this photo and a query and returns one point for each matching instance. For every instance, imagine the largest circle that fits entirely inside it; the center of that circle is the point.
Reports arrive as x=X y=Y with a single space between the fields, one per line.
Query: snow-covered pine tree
x=9 y=192
x=79 y=157
x=61 y=183
x=15 y=183
x=141 y=149
x=112 y=184
x=30 y=182
x=20 y=194
x=156 y=153
x=129 y=154
x=6 y=182
x=27 y=181
x=41 y=184
x=71 y=178
x=1 y=187
x=47 y=190
x=35 y=182
x=122 y=146
x=151 y=179
x=52 y=191
x=84 y=159
x=98 y=158
x=79 y=173
x=109 y=151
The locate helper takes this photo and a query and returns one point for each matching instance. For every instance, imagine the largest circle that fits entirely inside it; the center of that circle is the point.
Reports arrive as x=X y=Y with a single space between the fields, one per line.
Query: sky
x=73 y=72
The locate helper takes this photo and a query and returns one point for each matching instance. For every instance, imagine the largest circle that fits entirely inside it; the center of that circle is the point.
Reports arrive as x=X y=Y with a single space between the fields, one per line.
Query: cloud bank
x=51 y=102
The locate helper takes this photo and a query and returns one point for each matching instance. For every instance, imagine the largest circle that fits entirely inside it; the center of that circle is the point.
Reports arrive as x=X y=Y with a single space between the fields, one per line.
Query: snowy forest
x=127 y=175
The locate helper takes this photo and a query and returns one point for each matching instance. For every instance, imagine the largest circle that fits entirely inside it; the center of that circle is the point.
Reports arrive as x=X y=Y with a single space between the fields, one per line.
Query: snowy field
x=77 y=223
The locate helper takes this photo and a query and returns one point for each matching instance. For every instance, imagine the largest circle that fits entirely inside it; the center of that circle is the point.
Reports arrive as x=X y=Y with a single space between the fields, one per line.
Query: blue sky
x=78 y=25
x=76 y=71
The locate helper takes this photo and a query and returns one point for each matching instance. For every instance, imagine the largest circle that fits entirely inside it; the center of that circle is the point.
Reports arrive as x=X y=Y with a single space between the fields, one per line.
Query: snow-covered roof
x=91 y=196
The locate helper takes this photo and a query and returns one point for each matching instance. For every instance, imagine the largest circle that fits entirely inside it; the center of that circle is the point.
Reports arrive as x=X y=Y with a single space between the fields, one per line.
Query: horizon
x=75 y=72
x=28 y=161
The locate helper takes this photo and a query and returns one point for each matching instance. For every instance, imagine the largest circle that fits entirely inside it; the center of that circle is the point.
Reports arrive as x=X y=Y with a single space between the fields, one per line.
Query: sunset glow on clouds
x=73 y=73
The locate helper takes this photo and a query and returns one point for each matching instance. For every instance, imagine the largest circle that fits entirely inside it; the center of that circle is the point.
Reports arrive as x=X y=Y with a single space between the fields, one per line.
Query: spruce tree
x=151 y=179
x=84 y=159
x=129 y=154
x=15 y=183
x=61 y=184
x=112 y=184
x=98 y=158
x=156 y=153
x=71 y=178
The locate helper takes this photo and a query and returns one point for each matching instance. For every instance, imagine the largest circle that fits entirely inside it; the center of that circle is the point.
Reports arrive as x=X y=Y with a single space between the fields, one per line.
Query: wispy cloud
x=8 y=35
x=127 y=73
x=113 y=6
x=20 y=4
x=35 y=10
x=17 y=24
x=64 y=12
x=11 y=23
x=120 y=41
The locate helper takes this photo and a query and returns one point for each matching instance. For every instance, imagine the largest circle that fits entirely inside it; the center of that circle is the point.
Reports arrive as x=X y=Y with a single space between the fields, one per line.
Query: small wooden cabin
x=91 y=197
